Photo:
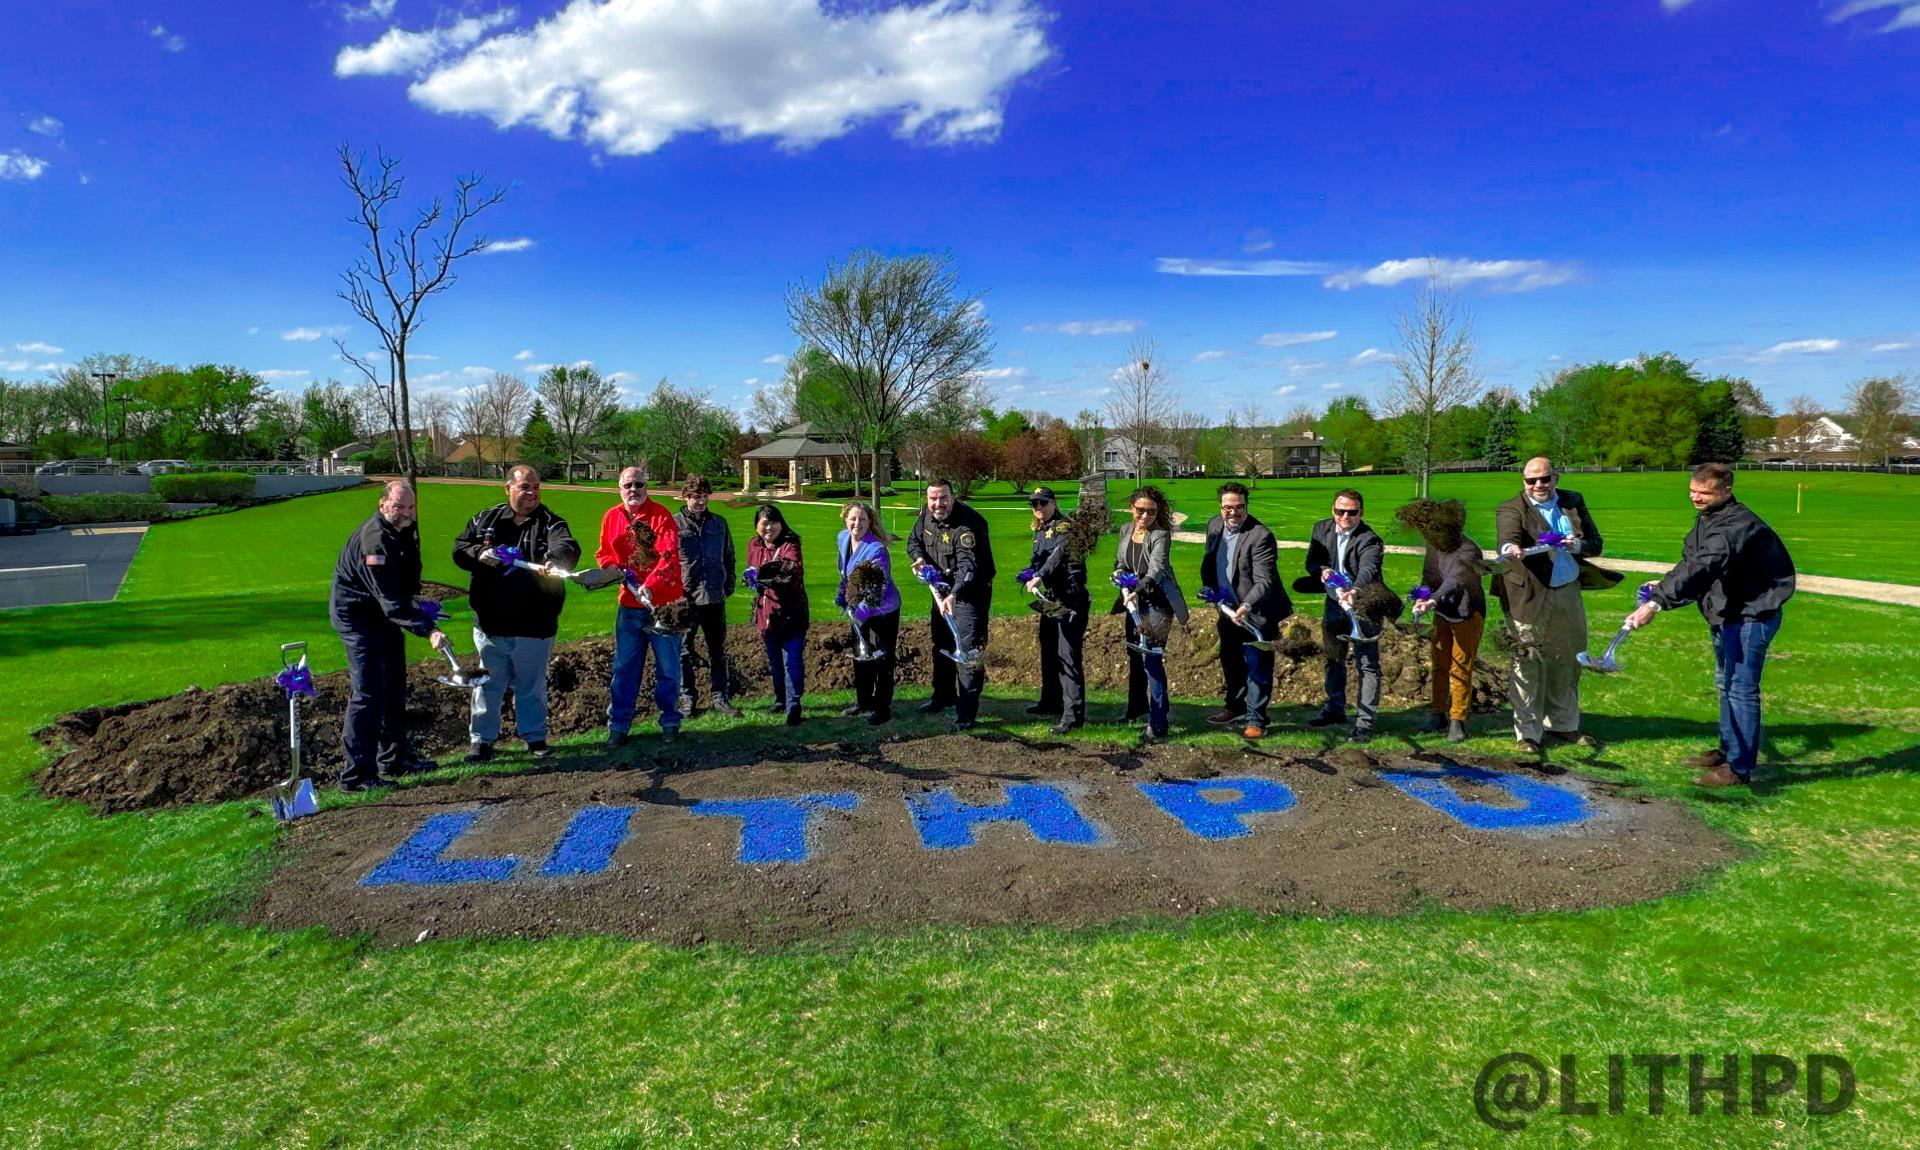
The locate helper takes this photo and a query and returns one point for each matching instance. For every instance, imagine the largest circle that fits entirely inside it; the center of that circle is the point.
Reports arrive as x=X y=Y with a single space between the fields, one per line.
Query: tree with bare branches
x=899 y=329
x=1140 y=404
x=401 y=266
x=578 y=399
x=1793 y=431
x=1879 y=409
x=494 y=412
x=1433 y=364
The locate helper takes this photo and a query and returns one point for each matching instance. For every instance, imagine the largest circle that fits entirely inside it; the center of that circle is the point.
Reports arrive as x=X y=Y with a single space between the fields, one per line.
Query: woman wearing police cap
x=1057 y=576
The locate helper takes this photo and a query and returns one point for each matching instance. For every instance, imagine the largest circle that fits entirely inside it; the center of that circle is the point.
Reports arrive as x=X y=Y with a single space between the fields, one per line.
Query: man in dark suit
x=1541 y=597
x=1343 y=542
x=1240 y=561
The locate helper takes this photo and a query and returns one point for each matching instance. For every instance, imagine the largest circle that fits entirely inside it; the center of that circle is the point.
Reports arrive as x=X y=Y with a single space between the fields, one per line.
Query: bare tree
x=1794 y=428
x=374 y=401
x=436 y=413
x=402 y=266
x=1140 y=404
x=899 y=330
x=577 y=400
x=495 y=411
x=1184 y=429
x=1433 y=367
x=1880 y=408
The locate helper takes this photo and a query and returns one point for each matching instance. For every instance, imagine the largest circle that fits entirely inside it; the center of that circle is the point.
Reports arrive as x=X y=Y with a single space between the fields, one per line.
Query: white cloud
x=1674 y=5
x=1286 y=389
x=495 y=246
x=14 y=364
x=1002 y=372
x=1168 y=265
x=773 y=359
x=430 y=377
x=1298 y=368
x=1502 y=275
x=1891 y=346
x=1906 y=13
x=1803 y=347
x=1295 y=338
x=1207 y=355
x=620 y=377
x=477 y=372
x=374 y=10
x=524 y=354
x=51 y=366
x=537 y=368
x=628 y=76
x=309 y=334
x=1087 y=327
x=413 y=355
x=168 y=40
x=1371 y=355
x=20 y=166
x=750 y=381
x=402 y=51
x=280 y=374
x=46 y=126
x=1336 y=386
x=37 y=346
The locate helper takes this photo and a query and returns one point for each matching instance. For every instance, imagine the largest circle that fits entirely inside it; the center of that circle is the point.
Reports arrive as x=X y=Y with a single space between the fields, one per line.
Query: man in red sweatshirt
x=633 y=630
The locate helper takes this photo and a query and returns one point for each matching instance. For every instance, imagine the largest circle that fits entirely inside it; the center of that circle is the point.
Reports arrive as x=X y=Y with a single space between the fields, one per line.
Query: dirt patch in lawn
x=231 y=742
x=657 y=853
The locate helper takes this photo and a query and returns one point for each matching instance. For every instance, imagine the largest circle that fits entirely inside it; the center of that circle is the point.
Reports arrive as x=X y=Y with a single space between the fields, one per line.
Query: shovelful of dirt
x=763 y=846
x=230 y=742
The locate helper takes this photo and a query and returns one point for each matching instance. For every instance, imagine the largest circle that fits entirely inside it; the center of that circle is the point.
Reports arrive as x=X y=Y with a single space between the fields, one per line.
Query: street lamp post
x=107 y=380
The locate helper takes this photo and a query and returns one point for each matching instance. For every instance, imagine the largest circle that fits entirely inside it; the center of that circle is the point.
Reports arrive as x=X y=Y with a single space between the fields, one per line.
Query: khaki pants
x=1455 y=646
x=1546 y=674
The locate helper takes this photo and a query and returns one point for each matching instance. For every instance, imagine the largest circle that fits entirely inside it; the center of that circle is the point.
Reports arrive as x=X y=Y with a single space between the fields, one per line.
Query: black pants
x=873 y=680
x=951 y=684
x=375 y=730
x=1063 y=676
x=708 y=622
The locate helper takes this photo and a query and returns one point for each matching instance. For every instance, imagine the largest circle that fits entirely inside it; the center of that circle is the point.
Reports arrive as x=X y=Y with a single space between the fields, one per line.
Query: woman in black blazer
x=1144 y=550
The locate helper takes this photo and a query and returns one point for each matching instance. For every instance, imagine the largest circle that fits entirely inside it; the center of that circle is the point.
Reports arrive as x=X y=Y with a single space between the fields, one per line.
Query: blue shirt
x=1228 y=539
x=1565 y=570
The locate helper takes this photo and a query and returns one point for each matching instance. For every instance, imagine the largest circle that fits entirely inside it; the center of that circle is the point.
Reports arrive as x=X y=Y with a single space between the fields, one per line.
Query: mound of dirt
x=230 y=742
x=466 y=858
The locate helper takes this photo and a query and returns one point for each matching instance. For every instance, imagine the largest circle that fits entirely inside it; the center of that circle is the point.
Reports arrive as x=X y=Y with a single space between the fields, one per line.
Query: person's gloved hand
x=439 y=641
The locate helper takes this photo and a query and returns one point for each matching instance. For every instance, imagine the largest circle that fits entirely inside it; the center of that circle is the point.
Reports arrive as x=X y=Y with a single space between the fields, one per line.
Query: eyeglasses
x=1346 y=511
x=640 y=486
x=1532 y=481
x=1143 y=510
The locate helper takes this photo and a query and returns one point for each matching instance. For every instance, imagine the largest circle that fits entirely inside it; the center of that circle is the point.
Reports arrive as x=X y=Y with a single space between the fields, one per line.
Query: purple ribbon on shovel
x=296 y=680
x=507 y=556
x=1222 y=598
x=432 y=609
x=751 y=577
x=1420 y=594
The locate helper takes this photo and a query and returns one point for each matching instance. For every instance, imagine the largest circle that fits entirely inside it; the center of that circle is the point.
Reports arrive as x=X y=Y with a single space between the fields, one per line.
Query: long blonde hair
x=873 y=521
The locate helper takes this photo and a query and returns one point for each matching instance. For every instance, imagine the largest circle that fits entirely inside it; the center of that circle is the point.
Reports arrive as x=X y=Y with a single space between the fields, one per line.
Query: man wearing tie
x=1240 y=568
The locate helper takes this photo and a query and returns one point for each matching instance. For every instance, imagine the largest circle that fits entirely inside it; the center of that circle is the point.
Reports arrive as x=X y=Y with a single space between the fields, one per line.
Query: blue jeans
x=787 y=667
x=1739 y=654
x=520 y=663
x=1248 y=671
x=631 y=642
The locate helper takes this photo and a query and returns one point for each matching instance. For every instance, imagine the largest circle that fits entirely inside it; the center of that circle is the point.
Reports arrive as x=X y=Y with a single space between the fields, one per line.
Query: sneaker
x=934 y=706
x=1457 y=731
x=1360 y=735
x=1527 y=746
x=1223 y=718
x=616 y=738
x=1573 y=738
x=879 y=718
x=686 y=704
x=793 y=717
x=1065 y=725
x=724 y=706
x=1435 y=721
x=1253 y=732
x=483 y=752
x=1722 y=776
x=361 y=786
x=852 y=709
x=1708 y=760
x=1327 y=719
x=538 y=749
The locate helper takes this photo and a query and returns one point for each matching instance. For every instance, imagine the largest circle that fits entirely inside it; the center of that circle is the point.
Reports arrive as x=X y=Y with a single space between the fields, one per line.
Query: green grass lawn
x=137 y=1015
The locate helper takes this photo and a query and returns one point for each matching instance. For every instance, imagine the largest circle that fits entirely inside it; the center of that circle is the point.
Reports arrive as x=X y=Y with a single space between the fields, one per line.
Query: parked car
x=71 y=467
x=154 y=467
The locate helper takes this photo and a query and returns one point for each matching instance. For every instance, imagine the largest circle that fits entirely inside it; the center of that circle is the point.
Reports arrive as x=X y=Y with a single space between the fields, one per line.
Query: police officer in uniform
x=951 y=538
x=375 y=583
x=1062 y=576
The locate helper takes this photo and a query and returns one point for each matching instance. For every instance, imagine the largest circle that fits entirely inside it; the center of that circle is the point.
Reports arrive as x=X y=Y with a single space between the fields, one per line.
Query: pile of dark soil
x=231 y=741
x=1352 y=842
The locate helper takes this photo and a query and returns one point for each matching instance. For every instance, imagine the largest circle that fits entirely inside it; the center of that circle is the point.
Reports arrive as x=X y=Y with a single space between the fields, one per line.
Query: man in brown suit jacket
x=1541 y=597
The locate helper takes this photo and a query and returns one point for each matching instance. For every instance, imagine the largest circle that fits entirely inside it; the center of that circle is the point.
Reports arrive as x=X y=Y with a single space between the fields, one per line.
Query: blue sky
x=1729 y=180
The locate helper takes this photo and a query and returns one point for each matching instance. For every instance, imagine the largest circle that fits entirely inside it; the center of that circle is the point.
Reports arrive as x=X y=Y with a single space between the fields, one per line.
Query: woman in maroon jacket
x=778 y=578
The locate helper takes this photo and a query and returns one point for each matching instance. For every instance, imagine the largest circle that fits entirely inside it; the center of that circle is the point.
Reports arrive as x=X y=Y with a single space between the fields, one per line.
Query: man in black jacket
x=1241 y=560
x=515 y=611
x=951 y=538
x=1736 y=568
x=372 y=604
x=706 y=571
x=1062 y=575
x=1343 y=542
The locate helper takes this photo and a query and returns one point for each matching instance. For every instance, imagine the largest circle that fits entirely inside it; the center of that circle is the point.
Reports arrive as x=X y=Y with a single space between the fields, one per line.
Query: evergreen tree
x=1503 y=431
x=538 y=445
x=1723 y=435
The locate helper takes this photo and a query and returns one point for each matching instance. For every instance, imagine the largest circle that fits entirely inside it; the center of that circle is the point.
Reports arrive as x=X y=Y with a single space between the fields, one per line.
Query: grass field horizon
x=143 y=1015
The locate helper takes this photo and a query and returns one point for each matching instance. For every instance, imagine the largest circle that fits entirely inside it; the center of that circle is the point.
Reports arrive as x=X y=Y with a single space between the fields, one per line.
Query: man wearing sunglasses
x=1343 y=542
x=1541 y=597
x=634 y=635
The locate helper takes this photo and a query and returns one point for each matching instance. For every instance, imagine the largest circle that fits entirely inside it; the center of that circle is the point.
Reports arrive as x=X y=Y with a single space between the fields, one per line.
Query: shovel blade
x=300 y=804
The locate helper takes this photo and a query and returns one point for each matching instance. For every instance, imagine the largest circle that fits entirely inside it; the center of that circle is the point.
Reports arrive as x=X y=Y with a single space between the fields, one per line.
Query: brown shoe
x=1255 y=732
x=1224 y=718
x=1527 y=746
x=1573 y=738
x=1707 y=760
x=1718 y=777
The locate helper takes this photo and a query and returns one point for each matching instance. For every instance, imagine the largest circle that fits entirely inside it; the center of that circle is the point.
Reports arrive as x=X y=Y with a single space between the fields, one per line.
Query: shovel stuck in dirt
x=459 y=679
x=294 y=798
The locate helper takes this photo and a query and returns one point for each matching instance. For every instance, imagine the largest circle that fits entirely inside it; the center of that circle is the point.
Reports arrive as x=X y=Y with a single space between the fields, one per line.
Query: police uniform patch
x=966 y=539
x=376 y=560
x=945 y=538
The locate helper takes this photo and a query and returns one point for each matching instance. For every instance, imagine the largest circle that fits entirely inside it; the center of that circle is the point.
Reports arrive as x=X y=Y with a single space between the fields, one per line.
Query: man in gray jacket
x=706 y=568
x=1241 y=571
x=1344 y=543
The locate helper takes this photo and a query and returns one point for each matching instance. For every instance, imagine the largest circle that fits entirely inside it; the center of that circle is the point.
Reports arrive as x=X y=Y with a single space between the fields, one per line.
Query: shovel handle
x=287 y=650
